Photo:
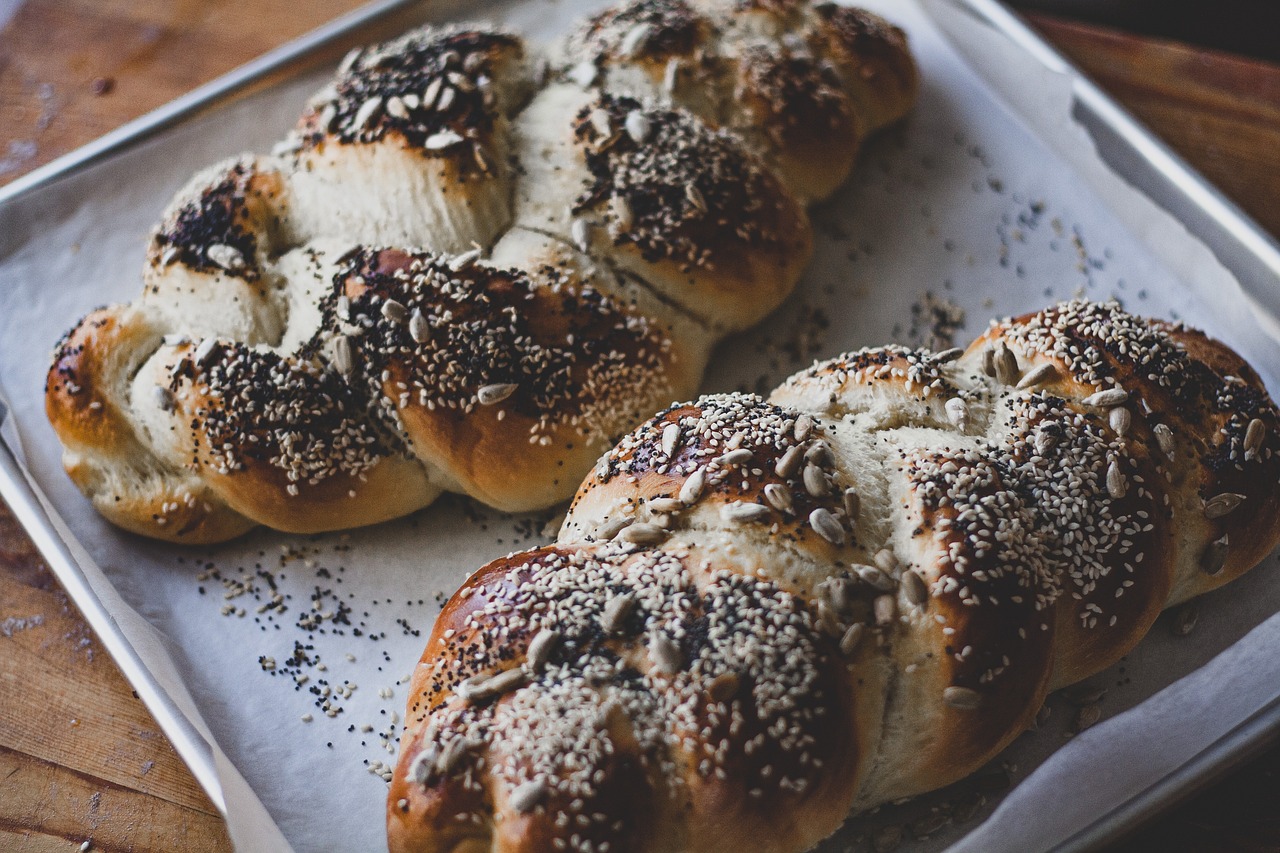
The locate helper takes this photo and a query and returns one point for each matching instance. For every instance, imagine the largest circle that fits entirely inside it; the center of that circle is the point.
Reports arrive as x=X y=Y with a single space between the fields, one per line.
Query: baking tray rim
x=34 y=512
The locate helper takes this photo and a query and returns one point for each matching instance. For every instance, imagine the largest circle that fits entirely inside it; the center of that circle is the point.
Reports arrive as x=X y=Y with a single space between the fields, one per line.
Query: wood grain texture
x=80 y=757
x=1220 y=112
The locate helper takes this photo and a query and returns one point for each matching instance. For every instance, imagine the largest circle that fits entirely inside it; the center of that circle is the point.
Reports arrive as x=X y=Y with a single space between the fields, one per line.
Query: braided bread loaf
x=762 y=614
x=460 y=253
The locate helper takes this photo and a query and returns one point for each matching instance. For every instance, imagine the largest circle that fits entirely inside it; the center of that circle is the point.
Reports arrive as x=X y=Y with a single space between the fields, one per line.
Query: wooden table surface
x=81 y=759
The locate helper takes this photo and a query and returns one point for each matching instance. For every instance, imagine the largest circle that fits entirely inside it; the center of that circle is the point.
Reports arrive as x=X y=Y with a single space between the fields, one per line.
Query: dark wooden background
x=81 y=758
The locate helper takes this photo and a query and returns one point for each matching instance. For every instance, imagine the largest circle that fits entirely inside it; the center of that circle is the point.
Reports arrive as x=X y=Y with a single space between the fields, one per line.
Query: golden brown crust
x=942 y=538
x=102 y=451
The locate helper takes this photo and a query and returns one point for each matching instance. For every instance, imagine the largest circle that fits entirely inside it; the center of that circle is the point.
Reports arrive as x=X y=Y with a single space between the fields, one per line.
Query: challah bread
x=761 y=615
x=462 y=251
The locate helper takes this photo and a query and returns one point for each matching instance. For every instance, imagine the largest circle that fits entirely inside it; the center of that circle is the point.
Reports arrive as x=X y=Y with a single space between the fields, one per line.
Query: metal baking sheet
x=1130 y=150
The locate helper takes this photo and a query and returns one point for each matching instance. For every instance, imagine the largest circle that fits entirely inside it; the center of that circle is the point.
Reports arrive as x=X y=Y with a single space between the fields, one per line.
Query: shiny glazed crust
x=761 y=615
x=468 y=268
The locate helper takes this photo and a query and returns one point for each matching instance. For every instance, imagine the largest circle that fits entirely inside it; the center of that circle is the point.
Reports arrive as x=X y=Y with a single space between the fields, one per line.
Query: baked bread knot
x=762 y=615
x=470 y=267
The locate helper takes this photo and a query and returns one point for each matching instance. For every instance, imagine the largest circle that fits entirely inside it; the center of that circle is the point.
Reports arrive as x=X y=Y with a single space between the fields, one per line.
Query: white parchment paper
x=291 y=650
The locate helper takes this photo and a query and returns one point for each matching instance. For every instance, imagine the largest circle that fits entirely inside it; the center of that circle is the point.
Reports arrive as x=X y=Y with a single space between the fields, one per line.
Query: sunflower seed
x=827 y=526
x=695 y=197
x=642 y=533
x=1164 y=438
x=623 y=216
x=989 y=361
x=670 y=438
x=411 y=101
x=1223 y=504
x=637 y=126
x=874 y=578
x=671 y=75
x=815 y=482
x=744 y=513
x=423 y=766
x=490 y=395
x=616 y=612
x=584 y=73
x=169 y=255
x=504 y=682
x=962 y=698
x=665 y=654
x=367 y=114
x=736 y=457
x=1007 y=371
x=957 y=412
x=458 y=263
x=802 y=428
x=163 y=397
x=1106 y=398
x=1087 y=716
x=432 y=92
x=1120 y=419
x=1038 y=375
x=790 y=462
x=599 y=120
x=633 y=42
x=948 y=355
x=838 y=592
x=349 y=61
x=396 y=108
x=526 y=797
x=693 y=486
x=724 y=687
x=580 y=233
x=447 y=96
x=419 y=328
x=451 y=756
x=665 y=505
x=471 y=689
x=1184 y=619
x=779 y=497
x=819 y=453
x=885 y=608
x=1254 y=435
x=1214 y=557
x=343 y=308
x=852 y=638
x=828 y=622
x=204 y=351
x=343 y=359
x=394 y=312
x=540 y=648
x=442 y=139
x=852 y=503
x=327 y=117
x=886 y=561
x=1117 y=485
x=914 y=587
x=227 y=257
x=462 y=81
